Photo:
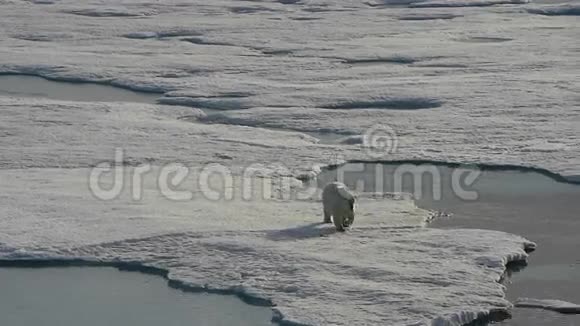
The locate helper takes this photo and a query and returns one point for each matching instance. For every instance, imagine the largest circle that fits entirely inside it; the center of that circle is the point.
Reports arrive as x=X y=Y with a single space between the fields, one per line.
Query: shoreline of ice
x=548 y=304
x=85 y=227
x=272 y=249
x=460 y=319
x=254 y=298
x=561 y=178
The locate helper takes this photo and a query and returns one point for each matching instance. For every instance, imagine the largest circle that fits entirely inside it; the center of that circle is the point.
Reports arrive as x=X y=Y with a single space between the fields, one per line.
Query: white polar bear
x=338 y=202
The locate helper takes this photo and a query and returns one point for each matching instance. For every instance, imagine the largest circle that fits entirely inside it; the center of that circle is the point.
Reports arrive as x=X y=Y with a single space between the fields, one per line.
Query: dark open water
x=99 y=296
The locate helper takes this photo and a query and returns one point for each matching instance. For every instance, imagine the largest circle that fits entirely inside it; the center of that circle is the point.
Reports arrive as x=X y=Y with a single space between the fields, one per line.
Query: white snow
x=274 y=249
x=310 y=66
x=508 y=145
x=269 y=52
x=270 y=248
x=555 y=305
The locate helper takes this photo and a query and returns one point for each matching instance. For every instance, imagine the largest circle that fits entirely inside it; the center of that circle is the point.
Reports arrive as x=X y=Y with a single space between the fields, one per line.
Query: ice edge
x=451 y=164
x=463 y=318
x=56 y=74
x=135 y=266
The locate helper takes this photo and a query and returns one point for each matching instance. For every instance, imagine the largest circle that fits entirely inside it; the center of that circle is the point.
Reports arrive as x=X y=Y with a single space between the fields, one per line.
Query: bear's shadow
x=308 y=231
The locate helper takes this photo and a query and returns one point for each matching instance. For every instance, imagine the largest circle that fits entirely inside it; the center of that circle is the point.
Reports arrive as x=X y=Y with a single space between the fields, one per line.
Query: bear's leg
x=338 y=223
x=349 y=220
x=326 y=216
x=346 y=222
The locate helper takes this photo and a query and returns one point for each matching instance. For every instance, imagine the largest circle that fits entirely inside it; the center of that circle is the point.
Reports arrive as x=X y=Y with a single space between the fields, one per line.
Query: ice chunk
x=554 y=305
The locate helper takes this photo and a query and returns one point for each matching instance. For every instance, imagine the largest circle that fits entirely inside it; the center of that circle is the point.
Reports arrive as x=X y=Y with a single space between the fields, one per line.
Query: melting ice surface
x=96 y=296
x=276 y=251
x=524 y=202
x=31 y=86
x=303 y=66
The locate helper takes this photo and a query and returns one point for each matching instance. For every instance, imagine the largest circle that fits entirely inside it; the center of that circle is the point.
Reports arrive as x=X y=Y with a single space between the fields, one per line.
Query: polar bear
x=338 y=202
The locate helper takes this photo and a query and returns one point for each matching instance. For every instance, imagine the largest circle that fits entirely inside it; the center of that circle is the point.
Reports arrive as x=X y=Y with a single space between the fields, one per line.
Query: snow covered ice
x=272 y=249
x=457 y=82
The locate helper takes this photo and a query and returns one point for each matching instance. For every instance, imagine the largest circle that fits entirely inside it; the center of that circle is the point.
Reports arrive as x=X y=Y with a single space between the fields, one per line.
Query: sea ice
x=300 y=67
x=272 y=248
x=324 y=62
x=555 y=305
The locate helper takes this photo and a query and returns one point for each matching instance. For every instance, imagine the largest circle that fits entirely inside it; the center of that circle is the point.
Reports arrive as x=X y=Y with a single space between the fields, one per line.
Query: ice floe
x=283 y=63
x=554 y=305
x=271 y=248
x=304 y=65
